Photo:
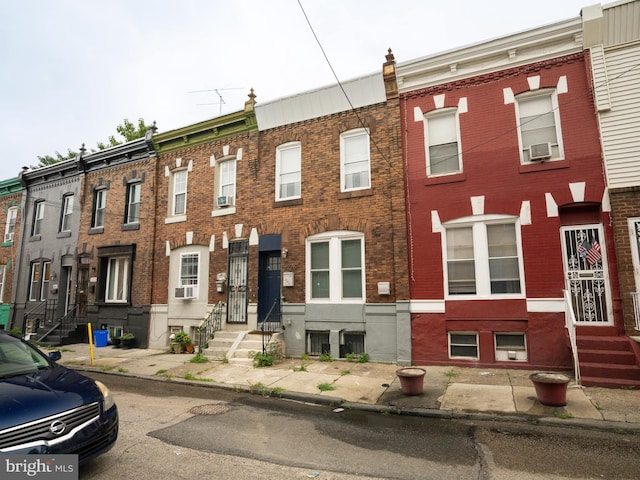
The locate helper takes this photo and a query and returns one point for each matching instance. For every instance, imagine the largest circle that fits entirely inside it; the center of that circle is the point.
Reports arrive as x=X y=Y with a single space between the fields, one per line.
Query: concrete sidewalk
x=448 y=391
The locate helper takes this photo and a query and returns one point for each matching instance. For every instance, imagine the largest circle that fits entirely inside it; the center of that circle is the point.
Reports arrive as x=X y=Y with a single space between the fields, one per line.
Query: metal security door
x=586 y=274
x=237 y=293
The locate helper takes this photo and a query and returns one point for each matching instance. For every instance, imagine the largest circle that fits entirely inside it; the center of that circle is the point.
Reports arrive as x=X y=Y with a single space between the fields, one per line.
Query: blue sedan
x=46 y=408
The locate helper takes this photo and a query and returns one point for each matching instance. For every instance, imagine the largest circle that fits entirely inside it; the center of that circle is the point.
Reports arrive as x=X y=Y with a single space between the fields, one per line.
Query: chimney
x=389 y=76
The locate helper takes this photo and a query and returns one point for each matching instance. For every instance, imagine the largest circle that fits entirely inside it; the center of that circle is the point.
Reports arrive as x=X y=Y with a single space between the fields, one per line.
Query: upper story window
x=227 y=172
x=38 y=216
x=10 y=226
x=335 y=272
x=539 y=126
x=99 y=205
x=189 y=263
x=132 y=214
x=179 y=192
x=66 y=214
x=442 y=142
x=355 y=164
x=288 y=171
x=483 y=257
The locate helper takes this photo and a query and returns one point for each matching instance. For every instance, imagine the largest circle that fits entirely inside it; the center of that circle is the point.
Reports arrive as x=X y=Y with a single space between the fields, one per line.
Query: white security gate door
x=586 y=274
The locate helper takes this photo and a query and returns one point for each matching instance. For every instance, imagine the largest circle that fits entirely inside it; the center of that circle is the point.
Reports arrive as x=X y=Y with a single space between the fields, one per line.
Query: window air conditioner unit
x=224 y=201
x=186 y=292
x=539 y=151
x=8 y=237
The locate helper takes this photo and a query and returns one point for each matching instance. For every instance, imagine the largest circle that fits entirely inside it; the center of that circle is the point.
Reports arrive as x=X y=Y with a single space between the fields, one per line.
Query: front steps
x=235 y=347
x=609 y=361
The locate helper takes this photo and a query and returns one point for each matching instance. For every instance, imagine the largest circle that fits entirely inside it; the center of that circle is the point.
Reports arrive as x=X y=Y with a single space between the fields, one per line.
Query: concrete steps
x=236 y=347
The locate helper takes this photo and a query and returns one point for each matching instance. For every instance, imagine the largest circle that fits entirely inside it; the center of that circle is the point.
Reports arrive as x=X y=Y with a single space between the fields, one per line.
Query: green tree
x=128 y=130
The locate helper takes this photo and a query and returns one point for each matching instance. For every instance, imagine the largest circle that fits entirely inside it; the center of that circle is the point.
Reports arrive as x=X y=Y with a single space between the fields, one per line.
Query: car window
x=17 y=357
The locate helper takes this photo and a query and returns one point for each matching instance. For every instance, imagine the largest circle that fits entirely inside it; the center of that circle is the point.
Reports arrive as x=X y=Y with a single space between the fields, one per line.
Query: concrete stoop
x=236 y=347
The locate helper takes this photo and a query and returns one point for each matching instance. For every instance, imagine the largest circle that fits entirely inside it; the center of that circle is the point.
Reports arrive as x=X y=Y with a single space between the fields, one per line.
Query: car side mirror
x=55 y=356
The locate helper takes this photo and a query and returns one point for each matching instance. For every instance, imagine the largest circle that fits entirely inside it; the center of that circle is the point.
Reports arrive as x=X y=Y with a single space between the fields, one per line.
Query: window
x=463 y=345
x=117 y=279
x=539 y=125
x=354 y=160
x=179 y=192
x=10 y=226
x=132 y=214
x=39 y=278
x=38 y=216
x=99 y=204
x=3 y=269
x=288 y=175
x=510 y=346
x=441 y=135
x=336 y=269
x=227 y=171
x=67 y=211
x=318 y=343
x=483 y=258
x=115 y=270
x=189 y=263
x=352 y=344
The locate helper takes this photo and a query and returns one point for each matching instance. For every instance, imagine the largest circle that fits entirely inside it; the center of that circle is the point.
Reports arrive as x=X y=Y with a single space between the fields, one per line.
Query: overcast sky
x=72 y=70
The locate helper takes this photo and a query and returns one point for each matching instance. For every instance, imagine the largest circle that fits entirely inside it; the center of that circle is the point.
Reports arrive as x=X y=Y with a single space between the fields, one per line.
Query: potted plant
x=411 y=380
x=180 y=342
x=551 y=388
x=127 y=340
x=116 y=342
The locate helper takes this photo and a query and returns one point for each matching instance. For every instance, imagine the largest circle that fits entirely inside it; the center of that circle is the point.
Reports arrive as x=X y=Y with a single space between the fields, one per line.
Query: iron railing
x=570 y=324
x=635 y=296
x=209 y=326
x=268 y=327
x=41 y=313
x=65 y=324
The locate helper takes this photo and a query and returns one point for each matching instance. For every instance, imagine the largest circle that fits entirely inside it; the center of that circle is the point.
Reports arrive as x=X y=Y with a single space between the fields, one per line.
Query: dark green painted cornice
x=208 y=131
x=7 y=187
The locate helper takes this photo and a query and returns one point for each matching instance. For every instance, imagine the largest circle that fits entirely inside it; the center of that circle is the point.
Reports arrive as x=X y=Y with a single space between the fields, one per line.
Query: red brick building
x=507 y=207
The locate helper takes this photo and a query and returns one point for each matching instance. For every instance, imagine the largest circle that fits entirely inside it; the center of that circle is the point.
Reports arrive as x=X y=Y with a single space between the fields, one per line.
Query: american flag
x=593 y=255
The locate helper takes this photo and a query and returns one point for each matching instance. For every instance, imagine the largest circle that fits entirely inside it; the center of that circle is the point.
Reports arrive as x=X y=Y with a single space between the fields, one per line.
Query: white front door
x=586 y=274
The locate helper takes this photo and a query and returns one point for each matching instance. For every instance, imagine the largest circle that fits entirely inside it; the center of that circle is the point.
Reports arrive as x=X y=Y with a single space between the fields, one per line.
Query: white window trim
x=481 y=257
x=38 y=218
x=33 y=295
x=335 y=268
x=102 y=193
x=353 y=133
x=130 y=188
x=230 y=210
x=437 y=113
x=174 y=191
x=180 y=283
x=279 y=150
x=463 y=357
x=12 y=213
x=556 y=115
x=125 y=288
x=45 y=279
x=67 y=213
x=635 y=251
x=3 y=276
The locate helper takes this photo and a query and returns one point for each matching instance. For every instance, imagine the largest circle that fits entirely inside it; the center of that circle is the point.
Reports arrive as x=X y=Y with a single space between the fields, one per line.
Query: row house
x=289 y=213
x=44 y=288
x=115 y=241
x=613 y=43
x=10 y=196
x=509 y=218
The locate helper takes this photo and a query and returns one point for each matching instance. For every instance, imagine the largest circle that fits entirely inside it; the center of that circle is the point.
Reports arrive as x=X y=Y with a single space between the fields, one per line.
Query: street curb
x=599 y=425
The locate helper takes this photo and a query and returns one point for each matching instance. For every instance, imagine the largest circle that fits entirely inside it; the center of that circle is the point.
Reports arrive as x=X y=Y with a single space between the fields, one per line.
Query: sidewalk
x=448 y=391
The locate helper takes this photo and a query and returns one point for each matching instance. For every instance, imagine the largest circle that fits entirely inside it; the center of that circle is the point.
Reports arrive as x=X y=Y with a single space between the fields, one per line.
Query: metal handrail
x=272 y=327
x=635 y=296
x=570 y=324
x=211 y=324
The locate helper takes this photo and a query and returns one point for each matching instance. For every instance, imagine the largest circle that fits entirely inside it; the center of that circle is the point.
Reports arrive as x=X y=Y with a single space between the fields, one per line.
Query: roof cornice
x=535 y=45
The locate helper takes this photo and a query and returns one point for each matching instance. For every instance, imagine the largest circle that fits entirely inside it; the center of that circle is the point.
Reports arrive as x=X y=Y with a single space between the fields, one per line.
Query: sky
x=73 y=70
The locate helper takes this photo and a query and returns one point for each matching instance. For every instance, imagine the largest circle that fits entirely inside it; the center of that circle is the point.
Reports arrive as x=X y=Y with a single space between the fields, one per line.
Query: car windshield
x=19 y=358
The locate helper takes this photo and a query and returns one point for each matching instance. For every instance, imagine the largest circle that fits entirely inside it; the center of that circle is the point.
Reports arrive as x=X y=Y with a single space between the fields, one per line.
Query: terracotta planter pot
x=411 y=380
x=551 y=388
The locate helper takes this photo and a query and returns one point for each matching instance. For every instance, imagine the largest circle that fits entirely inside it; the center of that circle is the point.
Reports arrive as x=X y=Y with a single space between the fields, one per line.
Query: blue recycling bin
x=100 y=338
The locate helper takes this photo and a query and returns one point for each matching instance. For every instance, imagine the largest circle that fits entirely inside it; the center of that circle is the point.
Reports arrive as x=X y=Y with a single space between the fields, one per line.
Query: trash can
x=100 y=338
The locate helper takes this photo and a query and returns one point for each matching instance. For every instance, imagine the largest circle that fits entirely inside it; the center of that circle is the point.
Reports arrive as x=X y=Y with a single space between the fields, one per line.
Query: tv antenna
x=217 y=92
